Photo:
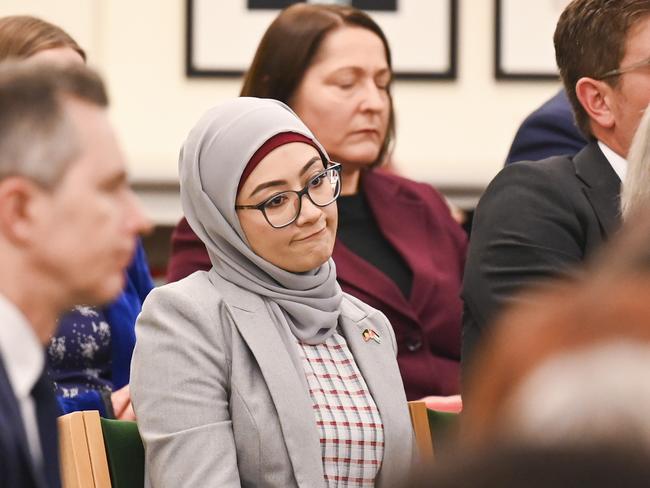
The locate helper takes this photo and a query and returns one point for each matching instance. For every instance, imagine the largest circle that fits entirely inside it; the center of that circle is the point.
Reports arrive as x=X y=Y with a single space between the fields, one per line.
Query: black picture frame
x=442 y=64
x=511 y=42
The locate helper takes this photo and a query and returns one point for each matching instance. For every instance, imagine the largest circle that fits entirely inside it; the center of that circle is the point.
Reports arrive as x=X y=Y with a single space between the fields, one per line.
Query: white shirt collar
x=21 y=351
x=617 y=162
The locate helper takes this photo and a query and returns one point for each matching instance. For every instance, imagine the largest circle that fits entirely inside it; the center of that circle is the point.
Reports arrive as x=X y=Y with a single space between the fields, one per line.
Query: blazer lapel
x=287 y=387
x=377 y=364
x=47 y=411
x=9 y=407
x=413 y=241
x=603 y=186
x=353 y=270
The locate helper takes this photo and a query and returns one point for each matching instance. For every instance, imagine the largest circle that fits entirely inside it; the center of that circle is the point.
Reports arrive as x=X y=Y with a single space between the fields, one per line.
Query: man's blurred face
x=88 y=224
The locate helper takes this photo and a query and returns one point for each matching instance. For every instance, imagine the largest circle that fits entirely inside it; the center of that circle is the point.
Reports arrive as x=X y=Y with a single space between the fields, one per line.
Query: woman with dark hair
x=398 y=248
x=90 y=356
x=262 y=371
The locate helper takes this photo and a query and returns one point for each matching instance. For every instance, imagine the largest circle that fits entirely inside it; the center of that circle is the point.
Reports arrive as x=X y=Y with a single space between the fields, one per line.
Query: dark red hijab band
x=275 y=141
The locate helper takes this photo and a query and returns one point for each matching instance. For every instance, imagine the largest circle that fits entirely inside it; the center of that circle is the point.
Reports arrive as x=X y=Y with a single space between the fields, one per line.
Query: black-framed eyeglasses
x=283 y=208
x=626 y=69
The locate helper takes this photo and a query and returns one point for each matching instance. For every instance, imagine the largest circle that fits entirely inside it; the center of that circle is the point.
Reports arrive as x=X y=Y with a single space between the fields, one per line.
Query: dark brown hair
x=37 y=138
x=590 y=40
x=22 y=36
x=289 y=45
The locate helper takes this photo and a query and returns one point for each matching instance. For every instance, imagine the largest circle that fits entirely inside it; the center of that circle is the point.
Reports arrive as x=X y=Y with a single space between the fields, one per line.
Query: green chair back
x=442 y=426
x=125 y=453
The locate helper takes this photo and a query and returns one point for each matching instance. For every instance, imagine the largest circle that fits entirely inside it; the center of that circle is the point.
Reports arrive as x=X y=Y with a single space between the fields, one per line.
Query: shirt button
x=413 y=344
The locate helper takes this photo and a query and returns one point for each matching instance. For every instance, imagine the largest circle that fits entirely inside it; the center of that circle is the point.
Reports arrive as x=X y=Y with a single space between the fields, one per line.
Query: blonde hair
x=635 y=194
x=22 y=36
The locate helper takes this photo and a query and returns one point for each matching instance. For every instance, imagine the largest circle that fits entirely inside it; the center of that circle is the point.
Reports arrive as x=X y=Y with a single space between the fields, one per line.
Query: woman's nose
x=308 y=211
x=374 y=98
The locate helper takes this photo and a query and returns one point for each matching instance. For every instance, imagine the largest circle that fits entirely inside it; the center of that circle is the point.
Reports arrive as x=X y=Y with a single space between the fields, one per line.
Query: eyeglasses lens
x=322 y=189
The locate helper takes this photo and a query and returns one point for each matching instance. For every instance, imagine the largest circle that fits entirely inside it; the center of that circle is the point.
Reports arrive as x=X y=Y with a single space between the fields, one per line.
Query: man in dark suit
x=539 y=219
x=68 y=228
x=549 y=131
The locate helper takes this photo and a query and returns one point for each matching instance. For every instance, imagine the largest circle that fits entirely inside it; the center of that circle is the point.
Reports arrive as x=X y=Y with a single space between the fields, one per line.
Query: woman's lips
x=311 y=236
x=365 y=134
x=367 y=131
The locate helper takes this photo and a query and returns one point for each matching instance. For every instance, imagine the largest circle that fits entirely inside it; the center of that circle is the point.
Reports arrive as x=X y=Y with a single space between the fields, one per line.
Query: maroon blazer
x=416 y=221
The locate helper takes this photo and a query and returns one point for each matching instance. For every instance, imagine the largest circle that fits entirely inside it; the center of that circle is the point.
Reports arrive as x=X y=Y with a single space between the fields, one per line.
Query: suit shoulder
x=556 y=106
x=555 y=167
x=399 y=180
x=548 y=131
x=414 y=190
x=355 y=309
x=549 y=182
x=196 y=287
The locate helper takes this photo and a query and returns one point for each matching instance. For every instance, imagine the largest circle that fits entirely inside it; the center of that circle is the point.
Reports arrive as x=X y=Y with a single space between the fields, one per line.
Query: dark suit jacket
x=548 y=131
x=16 y=467
x=417 y=223
x=535 y=220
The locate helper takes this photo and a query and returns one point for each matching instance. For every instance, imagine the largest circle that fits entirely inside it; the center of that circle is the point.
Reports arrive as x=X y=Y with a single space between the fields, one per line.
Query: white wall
x=449 y=133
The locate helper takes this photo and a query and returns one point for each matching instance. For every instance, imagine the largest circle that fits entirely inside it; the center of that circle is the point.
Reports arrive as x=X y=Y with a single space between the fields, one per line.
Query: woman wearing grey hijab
x=262 y=372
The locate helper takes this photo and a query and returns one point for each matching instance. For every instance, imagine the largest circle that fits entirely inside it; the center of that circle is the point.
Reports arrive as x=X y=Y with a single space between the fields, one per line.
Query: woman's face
x=304 y=244
x=343 y=96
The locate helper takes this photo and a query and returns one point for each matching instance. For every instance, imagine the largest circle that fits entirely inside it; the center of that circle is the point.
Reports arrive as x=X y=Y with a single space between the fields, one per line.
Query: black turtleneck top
x=359 y=231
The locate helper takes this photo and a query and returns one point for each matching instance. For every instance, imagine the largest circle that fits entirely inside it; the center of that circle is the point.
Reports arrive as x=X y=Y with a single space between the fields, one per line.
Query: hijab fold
x=211 y=163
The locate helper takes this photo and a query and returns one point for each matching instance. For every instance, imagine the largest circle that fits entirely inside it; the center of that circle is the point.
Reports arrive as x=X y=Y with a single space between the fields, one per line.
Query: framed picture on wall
x=222 y=36
x=524 y=39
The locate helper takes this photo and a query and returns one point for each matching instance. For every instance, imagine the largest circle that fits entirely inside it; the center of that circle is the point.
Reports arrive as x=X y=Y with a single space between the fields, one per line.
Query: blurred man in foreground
x=68 y=227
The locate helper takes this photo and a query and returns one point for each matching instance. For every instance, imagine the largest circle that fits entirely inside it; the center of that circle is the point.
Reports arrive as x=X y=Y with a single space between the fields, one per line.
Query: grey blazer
x=221 y=399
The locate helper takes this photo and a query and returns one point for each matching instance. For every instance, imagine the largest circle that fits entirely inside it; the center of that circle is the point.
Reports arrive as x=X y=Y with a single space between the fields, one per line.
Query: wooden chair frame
x=420 y=421
x=82 y=452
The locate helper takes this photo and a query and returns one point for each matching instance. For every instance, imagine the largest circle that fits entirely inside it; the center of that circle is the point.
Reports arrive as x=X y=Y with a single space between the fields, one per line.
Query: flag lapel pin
x=370 y=334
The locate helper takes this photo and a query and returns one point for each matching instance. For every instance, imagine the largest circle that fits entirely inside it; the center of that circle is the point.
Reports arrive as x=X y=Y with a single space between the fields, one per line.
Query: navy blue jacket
x=548 y=131
x=16 y=467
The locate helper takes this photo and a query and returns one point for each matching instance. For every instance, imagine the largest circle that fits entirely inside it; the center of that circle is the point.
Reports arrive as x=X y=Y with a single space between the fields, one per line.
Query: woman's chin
x=361 y=157
x=308 y=261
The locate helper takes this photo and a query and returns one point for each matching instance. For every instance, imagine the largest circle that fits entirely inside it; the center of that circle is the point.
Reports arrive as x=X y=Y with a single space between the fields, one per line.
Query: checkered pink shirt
x=349 y=424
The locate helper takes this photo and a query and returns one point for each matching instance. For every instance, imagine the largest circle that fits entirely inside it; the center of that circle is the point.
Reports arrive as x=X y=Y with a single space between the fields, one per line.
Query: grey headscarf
x=211 y=163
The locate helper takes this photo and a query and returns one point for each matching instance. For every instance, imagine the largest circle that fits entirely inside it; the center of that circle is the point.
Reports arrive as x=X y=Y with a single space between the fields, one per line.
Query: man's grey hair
x=37 y=137
x=635 y=195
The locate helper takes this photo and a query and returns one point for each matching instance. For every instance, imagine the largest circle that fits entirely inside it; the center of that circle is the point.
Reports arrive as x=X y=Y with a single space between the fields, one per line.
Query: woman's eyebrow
x=267 y=184
x=271 y=183
x=309 y=164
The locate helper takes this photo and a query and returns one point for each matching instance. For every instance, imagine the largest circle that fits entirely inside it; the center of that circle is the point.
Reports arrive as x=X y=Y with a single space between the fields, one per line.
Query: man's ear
x=17 y=212
x=595 y=98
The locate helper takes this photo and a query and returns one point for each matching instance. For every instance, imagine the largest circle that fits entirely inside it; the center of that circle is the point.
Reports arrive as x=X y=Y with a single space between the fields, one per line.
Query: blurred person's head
x=68 y=220
x=569 y=364
x=635 y=193
x=619 y=464
x=23 y=36
x=601 y=50
x=332 y=65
